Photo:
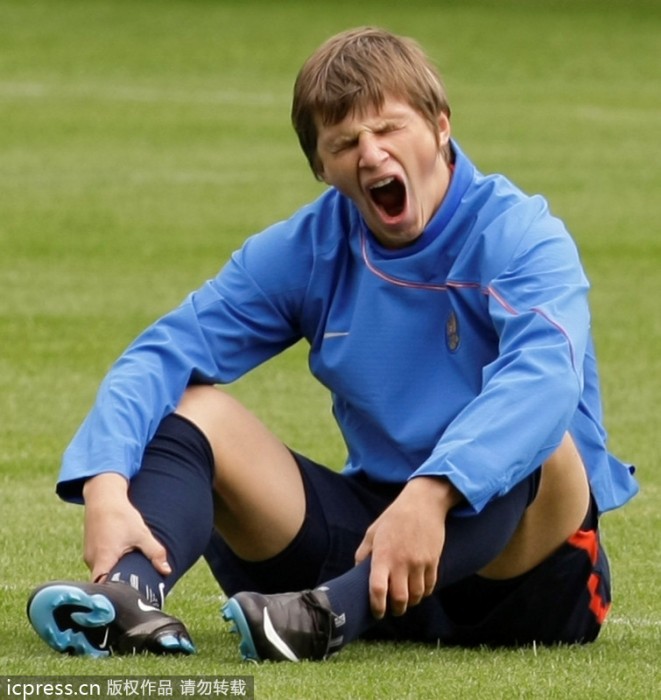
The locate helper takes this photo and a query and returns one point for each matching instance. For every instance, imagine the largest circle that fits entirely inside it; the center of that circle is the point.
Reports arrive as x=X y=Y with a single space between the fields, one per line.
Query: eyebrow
x=343 y=139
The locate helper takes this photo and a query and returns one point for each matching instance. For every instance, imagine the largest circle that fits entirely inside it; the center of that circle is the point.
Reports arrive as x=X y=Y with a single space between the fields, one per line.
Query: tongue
x=390 y=197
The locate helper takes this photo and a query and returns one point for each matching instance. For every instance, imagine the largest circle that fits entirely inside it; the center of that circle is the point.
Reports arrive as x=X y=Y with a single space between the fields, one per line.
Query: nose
x=371 y=155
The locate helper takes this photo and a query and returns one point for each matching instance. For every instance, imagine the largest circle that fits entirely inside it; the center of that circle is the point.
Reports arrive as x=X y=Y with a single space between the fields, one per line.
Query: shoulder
x=325 y=221
x=509 y=224
x=291 y=248
x=493 y=200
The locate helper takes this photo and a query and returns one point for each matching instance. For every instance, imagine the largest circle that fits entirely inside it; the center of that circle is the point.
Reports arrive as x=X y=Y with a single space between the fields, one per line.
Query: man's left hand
x=405 y=543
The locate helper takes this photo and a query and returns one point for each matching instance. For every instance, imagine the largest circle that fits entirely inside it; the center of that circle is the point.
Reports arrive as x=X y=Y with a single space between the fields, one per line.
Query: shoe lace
x=322 y=617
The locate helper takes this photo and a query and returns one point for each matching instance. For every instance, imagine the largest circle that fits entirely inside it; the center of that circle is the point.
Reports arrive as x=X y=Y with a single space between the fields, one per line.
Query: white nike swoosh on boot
x=146 y=608
x=275 y=639
x=104 y=643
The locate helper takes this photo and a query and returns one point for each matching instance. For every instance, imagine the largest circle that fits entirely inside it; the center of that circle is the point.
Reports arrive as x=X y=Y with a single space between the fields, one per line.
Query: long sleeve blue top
x=467 y=354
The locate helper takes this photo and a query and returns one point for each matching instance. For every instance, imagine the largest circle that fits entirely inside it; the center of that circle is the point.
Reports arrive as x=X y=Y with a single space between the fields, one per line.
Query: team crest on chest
x=452 y=337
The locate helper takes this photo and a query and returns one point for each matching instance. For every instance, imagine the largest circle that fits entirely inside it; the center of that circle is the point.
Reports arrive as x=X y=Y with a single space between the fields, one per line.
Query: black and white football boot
x=100 y=619
x=284 y=626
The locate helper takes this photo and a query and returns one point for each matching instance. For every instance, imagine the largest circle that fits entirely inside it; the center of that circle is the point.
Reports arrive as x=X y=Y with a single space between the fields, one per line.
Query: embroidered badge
x=452 y=338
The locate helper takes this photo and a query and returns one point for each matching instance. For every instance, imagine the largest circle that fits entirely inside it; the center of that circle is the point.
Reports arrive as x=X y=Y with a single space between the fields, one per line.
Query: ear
x=444 y=130
x=319 y=171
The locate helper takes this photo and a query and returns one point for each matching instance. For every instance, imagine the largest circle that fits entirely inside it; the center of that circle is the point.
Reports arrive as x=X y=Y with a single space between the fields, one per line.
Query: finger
x=364 y=550
x=378 y=591
x=101 y=566
x=156 y=553
x=416 y=588
x=98 y=560
x=431 y=577
x=398 y=594
x=99 y=574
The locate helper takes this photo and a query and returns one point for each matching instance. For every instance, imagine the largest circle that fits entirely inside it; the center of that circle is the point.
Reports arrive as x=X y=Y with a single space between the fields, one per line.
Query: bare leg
x=555 y=514
x=259 y=494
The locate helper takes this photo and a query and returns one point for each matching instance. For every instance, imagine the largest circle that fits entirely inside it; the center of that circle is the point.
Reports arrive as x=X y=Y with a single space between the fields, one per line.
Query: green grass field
x=141 y=141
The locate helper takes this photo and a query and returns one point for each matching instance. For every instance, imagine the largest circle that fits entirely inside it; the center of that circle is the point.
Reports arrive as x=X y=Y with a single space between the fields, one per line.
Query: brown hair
x=358 y=69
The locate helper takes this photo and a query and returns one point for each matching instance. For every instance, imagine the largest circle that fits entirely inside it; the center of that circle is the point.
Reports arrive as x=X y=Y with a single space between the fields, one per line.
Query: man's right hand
x=113 y=527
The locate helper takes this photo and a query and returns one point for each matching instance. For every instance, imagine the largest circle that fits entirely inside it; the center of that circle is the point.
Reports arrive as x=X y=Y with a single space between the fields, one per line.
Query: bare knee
x=205 y=406
x=236 y=435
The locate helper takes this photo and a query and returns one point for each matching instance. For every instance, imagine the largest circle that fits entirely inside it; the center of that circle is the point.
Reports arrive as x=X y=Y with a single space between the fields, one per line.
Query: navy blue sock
x=173 y=492
x=135 y=569
x=470 y=544
x=348 y=595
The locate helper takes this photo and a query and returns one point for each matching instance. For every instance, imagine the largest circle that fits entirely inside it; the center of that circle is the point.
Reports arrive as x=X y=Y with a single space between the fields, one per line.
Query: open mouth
x=389 y=195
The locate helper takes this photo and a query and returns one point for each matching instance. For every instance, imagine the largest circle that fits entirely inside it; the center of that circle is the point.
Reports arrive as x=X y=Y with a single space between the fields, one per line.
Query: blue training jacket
x=467 y=354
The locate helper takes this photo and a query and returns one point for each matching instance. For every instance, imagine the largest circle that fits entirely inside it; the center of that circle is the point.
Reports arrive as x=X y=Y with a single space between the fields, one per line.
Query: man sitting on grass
x=447 y=314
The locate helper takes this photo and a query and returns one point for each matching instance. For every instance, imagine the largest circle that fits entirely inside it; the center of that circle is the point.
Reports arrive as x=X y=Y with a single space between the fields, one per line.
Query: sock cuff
x=176 y=430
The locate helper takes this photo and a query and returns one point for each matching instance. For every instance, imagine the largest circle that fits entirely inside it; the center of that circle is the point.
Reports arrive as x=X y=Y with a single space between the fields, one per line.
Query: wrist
x=104 y=486
x=439 y=488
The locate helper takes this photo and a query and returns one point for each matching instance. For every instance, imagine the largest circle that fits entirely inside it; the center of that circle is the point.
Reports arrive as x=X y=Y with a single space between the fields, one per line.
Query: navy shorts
x=563 y=600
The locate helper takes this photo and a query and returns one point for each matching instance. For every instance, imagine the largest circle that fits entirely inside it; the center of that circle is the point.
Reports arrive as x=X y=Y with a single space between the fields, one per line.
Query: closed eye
x=346 y=145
